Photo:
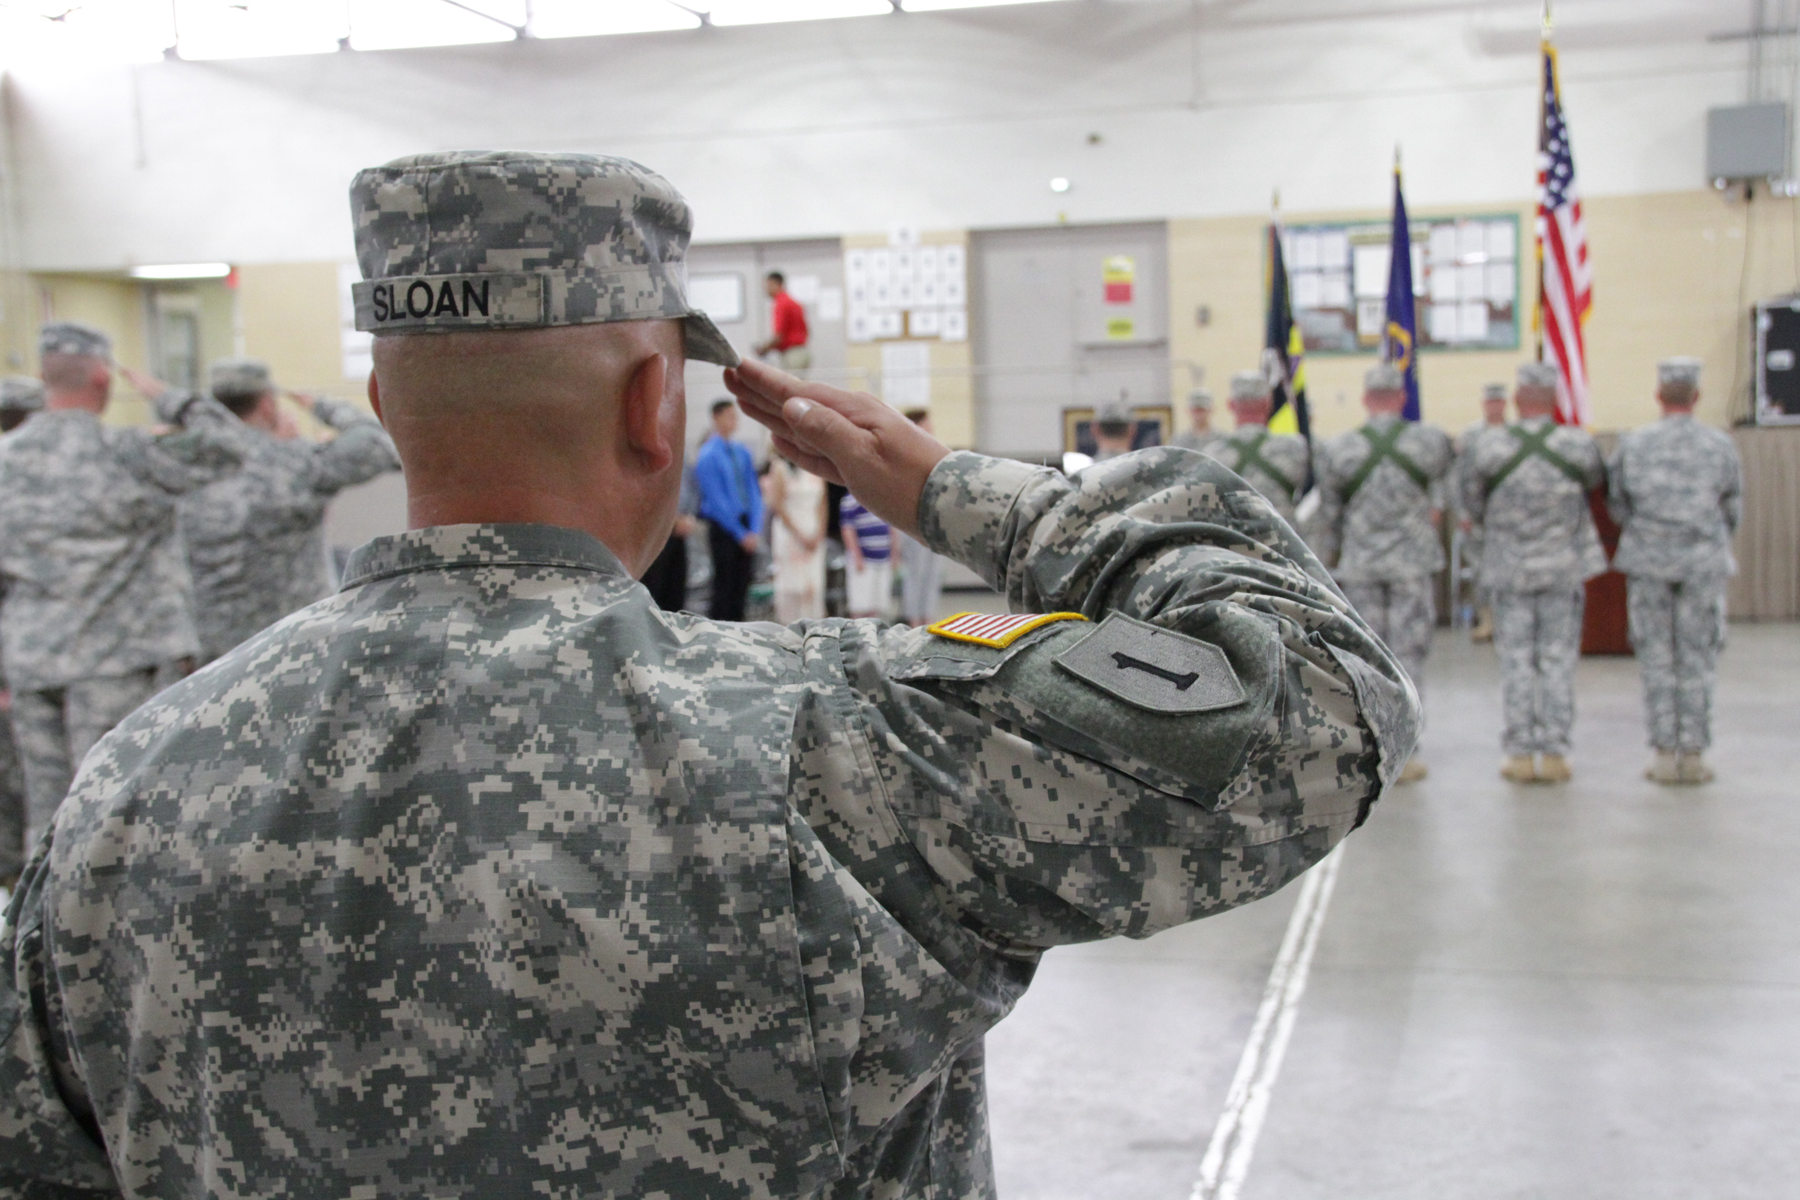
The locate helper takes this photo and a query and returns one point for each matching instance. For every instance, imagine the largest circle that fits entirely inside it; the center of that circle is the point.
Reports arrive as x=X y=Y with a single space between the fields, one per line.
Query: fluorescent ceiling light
x=763 y=12
x=258 y=28
x=182 y=271
x=938 y=5
x=56 y=34
x=585 y=18
x=402 y=24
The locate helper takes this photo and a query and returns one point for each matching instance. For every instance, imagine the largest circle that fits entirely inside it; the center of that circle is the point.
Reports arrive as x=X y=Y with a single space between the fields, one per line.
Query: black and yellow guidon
x=498 y=298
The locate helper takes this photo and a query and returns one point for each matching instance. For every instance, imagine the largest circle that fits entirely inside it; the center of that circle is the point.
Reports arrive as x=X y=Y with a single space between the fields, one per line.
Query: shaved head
x=575 y=425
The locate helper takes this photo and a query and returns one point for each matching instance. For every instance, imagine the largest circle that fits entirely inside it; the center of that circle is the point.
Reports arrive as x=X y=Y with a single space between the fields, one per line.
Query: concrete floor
x=1588 y=991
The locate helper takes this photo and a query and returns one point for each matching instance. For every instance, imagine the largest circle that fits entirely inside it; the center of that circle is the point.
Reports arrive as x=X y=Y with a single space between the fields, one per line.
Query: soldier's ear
x=641 y=414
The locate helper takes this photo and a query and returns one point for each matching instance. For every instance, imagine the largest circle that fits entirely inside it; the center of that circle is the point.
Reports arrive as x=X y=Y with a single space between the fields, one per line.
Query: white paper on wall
x=1443 y=284
x=859 y=328
x=1502 y=280
x=1306 y=289
x=903 y=291
x=925 y=292
x=881 y=266
x=903 y=235
x=1443 y=323
x=1371 y=270
x=925 y=262
x=1472 y=321
x=1306 y=252
x=954 y=325
x=1418 y=269
x=1334 y=250
x=1334 y=290
x=887 y=324
x=858 y=292
x=856 y=266
x=881 y=295
x=1443 y=244
x=923 y=323
x=1471 y=239
x=1471 y=282
x=953 y=294
x=831 y=304
x=950 y=260
x=1501 y=240
x=1371 y=315
x=906 y=374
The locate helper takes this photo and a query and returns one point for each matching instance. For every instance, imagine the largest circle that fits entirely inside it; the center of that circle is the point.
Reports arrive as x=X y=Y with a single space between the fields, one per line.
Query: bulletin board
x=1466 y=282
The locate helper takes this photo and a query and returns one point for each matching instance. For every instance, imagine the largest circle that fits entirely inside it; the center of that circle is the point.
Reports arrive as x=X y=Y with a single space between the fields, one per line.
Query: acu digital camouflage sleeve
x=1052 y=812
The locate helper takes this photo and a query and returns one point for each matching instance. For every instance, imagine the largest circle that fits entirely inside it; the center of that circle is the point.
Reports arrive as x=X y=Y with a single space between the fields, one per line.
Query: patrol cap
x=240 y=377
x=1537 y=375
x=1493 y=391
x=1200 y=398
x=72 y=337
x=1250 y=385
x=1112 y=413
x=1384 y=377
x=1678 y=372
x=21 y=393
x=468 y=240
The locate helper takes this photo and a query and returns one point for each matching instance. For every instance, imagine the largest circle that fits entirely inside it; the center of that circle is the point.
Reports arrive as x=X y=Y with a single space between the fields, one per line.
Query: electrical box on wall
x=1746 y=141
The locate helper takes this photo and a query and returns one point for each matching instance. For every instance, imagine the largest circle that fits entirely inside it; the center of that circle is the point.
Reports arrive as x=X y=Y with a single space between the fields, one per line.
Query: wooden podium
x=1604 y=626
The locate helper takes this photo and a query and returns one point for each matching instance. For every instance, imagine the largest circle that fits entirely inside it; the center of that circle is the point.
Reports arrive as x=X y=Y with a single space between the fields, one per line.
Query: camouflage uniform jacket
x=1465 y=454
x=256 y=539
x=91 y=559
x=486 y=877
x=1537 y=530
x=1285 y=452
x=1383 y=530
x=1677 y=491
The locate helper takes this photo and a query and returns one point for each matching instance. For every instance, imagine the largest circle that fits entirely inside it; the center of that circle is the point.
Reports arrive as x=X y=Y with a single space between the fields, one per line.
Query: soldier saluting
x=490 y=870
x=1527 y=487
x=1677 y=491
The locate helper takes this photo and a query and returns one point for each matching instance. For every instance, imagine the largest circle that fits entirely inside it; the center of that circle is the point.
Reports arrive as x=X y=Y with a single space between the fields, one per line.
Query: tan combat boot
x=1554 y=768
x=1483 y=629
x=1693 y=769
x=1666 y=769
x=1518 y=768
x=1412 y=772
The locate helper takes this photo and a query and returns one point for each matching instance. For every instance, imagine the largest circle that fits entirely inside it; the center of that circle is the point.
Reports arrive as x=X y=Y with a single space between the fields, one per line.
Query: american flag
x=1566 y=282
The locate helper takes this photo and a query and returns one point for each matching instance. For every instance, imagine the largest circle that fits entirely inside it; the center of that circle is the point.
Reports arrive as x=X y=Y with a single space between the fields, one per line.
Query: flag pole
x=1537 y=314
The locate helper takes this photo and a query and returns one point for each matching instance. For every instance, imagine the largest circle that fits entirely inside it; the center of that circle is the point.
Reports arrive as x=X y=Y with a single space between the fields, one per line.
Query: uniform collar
x=447 y=547
x=1384 y=419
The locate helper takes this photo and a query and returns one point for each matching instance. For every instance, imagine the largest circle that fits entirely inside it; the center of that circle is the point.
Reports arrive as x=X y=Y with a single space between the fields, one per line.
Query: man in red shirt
x=788 y=320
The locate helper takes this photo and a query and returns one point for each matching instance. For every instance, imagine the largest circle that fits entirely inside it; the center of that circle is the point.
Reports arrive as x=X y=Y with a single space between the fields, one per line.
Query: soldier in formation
x=256 y=539
x=20 y=397
x=1676 y=490
x=1379 y=518
x=1527 y=487
x=97 y=608
x=1493 y=420
x=1273 y=463
x=570 y=892
x=1200 y=435
x=1113 y=430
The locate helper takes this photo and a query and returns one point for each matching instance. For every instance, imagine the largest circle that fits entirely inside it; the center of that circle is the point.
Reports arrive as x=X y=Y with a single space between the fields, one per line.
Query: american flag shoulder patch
x=998 y=630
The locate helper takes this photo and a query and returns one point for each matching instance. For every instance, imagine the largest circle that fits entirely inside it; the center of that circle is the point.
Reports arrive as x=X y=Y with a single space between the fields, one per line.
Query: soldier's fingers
x=807 y=460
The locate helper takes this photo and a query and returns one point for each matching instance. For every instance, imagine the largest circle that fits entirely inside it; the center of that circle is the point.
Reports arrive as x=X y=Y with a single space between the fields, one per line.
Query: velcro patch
x=998 y=630
x=1153 y=668
x=484 y=300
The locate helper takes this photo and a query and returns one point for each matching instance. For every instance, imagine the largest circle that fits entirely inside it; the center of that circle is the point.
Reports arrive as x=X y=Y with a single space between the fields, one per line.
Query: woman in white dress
x=796 y=503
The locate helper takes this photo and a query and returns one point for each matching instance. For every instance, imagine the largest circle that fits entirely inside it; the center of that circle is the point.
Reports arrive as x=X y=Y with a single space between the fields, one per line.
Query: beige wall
x=1666 y=281
x=289 y=313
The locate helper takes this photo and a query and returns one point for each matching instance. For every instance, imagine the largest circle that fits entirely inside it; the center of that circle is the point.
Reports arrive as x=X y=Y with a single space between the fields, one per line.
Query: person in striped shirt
x=869 y=547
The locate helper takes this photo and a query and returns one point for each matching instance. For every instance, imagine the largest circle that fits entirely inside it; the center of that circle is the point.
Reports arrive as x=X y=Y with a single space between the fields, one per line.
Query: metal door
x=1069 y=316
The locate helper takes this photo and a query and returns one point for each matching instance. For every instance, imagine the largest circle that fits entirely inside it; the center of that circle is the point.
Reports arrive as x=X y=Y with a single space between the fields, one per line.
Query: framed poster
x=1153 y=426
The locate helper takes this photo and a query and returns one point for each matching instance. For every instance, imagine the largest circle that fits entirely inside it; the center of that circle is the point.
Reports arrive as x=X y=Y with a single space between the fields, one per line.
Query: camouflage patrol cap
x=1678 y=372
x=1537 y=375
x=21 y=393
x=1200 y=398
x=1384 y=377
x=72 y=337
x=240 y=377
x=1250 y=385
x=516 y=240
x=1493 y=391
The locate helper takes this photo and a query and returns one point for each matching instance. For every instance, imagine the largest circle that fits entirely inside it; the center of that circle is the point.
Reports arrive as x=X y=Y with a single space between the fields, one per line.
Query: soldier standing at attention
x=20 y=396
x=1273 y=464
x=256 y=539
x=1200 y=433
x=1493 y=420
x=97 y=600
x=491 y=870
x=1677 y=492
x=1527 y=486
x=1113 y=431
x=1379 y=520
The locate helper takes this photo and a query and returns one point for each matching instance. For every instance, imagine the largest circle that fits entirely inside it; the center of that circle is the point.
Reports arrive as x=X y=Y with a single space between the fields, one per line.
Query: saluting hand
x=848 y=438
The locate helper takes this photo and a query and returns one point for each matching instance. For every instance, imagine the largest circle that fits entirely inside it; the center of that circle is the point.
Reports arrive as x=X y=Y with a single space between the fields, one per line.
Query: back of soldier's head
x=240 y=383
x=481 y=270
x=73 y=356
x=1678 y=382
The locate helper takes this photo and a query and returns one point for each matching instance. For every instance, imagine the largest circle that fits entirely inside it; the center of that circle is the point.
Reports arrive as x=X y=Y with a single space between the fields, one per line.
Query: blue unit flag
x=1400 y=332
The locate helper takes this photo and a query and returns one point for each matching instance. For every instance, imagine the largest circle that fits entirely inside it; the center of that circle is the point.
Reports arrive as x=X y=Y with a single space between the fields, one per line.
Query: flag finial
x=1396 y=158
x=1275 y=200
x=1549 y=20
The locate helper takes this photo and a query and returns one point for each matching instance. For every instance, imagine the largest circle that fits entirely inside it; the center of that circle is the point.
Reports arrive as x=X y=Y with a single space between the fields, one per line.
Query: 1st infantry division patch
x=998 y=630
x=1153 y=668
